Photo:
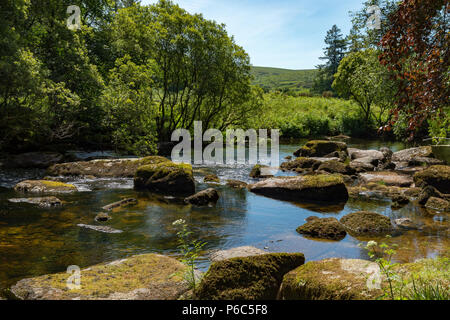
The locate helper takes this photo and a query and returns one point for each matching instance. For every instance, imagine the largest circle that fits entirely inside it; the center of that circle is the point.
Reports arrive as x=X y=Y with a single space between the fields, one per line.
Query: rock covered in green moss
x=211 y=178
x=334 y=166
x=438 y=204
x=248 y=278
x=165 y=177
x=332 y=279
x=301 y=163
x=103 y=168
x=320 y=148
x=141 y=277
x=44 y=186
x=326 y=188
x=203 y=198
x=260 y=171
x=363 y=222
x=325 y=228
x=435 y=176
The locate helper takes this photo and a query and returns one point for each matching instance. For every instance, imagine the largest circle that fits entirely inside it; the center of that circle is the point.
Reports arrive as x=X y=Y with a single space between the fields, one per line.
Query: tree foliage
x=416 y=51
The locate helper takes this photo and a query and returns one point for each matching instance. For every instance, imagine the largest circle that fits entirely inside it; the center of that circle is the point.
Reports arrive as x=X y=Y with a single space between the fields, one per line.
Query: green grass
x=305 y=117
x=271 y=79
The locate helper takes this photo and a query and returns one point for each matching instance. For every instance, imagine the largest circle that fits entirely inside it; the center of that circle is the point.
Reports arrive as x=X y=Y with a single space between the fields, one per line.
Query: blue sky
x=278 y=33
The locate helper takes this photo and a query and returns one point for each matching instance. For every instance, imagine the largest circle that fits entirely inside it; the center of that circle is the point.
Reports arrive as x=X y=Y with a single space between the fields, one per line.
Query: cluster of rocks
x=244 y=273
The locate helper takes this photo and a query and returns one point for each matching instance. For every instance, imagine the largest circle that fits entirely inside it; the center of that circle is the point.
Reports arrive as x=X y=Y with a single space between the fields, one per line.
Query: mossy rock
x=323 y=188
x=334 y=166
x=325 y=228
x=438 y=204
x=435 y=176
x=203 y=198
x=142 y=277
x=260 y=171
x=44 y=186
x=165 y=177
x=301 y=163
x=320 y=148
x=248 y=278
x=211 y=178
x=363 y=223
x=331 y=279
x=236 y=184
x=103 y=168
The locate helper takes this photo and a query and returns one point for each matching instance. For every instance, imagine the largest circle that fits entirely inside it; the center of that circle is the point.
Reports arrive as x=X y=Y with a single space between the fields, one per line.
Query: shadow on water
x=36 y=241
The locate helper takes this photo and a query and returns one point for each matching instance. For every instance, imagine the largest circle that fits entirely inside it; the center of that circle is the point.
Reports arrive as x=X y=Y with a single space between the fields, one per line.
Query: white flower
x=371 y=244
x=179 y=222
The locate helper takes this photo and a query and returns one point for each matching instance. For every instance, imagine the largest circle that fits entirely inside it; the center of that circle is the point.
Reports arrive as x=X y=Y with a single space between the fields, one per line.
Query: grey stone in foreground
x=245 y=251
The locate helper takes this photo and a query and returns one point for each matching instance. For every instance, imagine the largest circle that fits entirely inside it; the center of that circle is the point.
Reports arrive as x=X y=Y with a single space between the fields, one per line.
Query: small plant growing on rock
x=190 y=249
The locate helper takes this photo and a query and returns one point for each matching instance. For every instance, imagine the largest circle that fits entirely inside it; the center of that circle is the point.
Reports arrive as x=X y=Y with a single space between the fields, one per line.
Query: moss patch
x=40 y=186
x=320 y=148
x=330 y=279
x=248 y=278
x=301 y=163
x=361 y=223
x=102 y=281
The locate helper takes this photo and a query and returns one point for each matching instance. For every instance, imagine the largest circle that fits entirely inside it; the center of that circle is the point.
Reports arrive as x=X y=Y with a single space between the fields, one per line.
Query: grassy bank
x=301 y=117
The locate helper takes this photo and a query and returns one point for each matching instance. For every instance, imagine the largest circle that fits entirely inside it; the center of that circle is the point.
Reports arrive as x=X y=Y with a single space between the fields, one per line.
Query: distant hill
x=283 y=79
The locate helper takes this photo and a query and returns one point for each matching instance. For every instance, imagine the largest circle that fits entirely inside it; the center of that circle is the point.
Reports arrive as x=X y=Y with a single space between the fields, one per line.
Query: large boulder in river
x=41 y=160
x=323 y=228
x=409 y=154
x=332 y=279
x=320 y=148
x=142 y=277
x=165 y=177
x=203 y=198
x=248 y=278
x=103 y=168
x=435 y=176
x=44 y=186
x=326 y=188
x=366 y=223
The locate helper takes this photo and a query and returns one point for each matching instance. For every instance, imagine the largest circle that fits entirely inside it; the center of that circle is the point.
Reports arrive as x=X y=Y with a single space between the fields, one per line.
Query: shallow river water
x=36 y=241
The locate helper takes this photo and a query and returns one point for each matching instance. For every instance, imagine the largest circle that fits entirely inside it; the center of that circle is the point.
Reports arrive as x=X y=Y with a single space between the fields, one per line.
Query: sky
x=277 y=33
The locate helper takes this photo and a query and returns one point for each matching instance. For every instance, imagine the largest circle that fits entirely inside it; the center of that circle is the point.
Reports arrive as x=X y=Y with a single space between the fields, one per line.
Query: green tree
x=362 y=78
x=334 y=52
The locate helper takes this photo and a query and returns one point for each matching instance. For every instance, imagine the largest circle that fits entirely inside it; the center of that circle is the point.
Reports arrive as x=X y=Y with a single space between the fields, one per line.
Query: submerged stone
x=236 y=184
x=249 y=278
x=121 y=203
x=42 y=202
x=103 y=229
x=141 y=277
x=211 y=178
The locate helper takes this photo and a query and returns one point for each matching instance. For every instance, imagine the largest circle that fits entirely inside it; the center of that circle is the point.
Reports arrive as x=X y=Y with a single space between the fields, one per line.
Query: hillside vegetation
x=271 y=79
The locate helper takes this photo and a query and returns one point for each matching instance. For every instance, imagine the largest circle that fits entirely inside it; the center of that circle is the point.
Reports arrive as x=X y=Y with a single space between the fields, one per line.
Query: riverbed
x=36 y=241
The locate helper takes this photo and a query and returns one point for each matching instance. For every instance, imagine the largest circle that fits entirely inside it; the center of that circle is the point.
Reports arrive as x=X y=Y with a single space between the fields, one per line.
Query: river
x=36 y=241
